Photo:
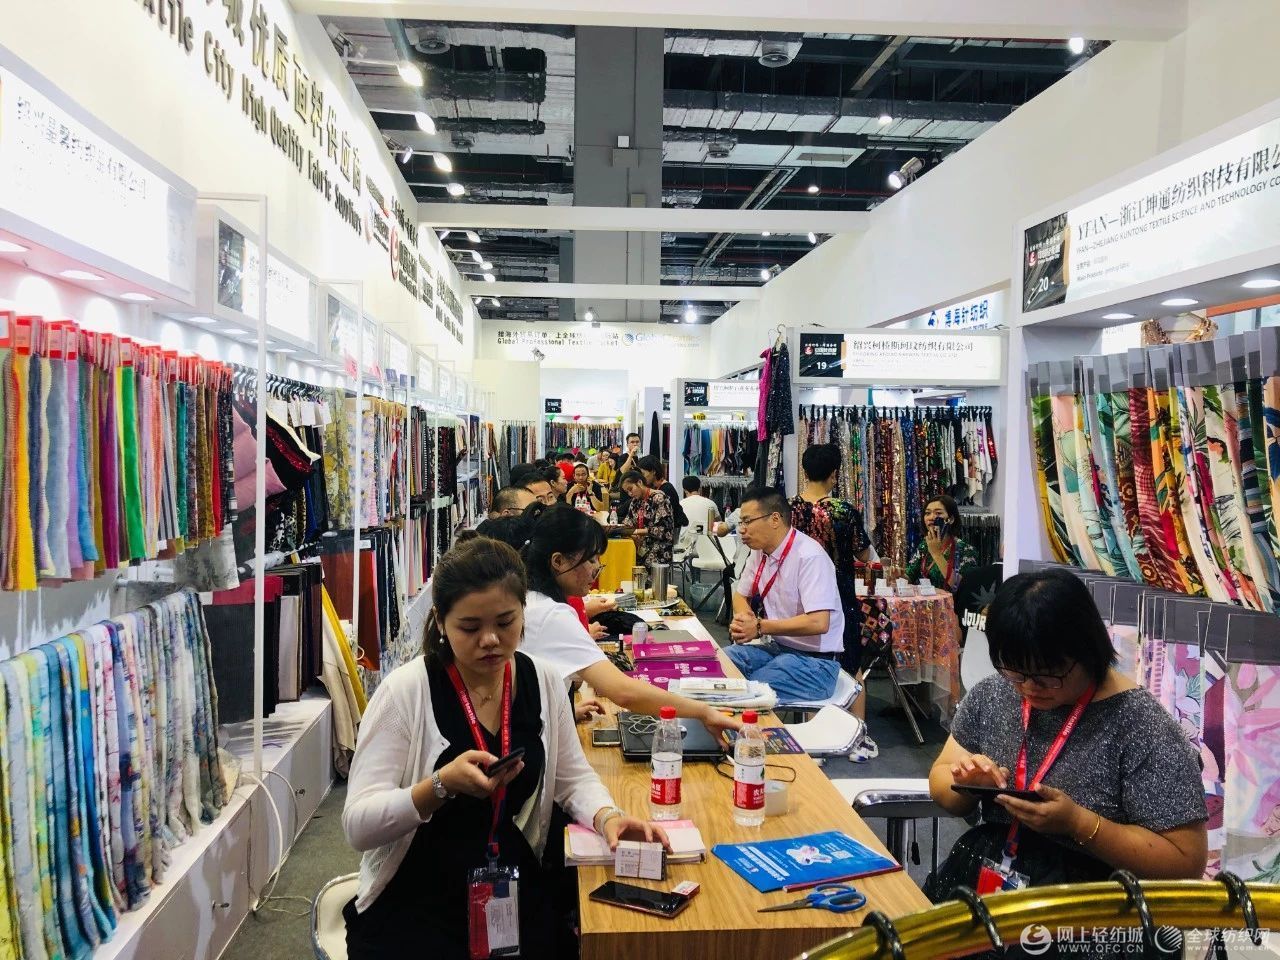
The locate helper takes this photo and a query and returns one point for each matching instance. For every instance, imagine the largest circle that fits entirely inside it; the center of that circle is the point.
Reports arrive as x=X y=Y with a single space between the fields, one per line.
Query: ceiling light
x=80 y=275
x=201 y=320
x=490 y=278
x=1118 y=316
x=410 y=73
x=690 y=314
x=906 y=173
x=475 y=255
x=8 y=246
x=236 y=332
x=896 y=182
x=443 y=163
x=456 y=189
x=136 y=297
x=1179 y=302
x=476 y=300
x=473 y=236
x=486 y=265
x=407 y=155
x=813 y=237
x=1076 y=45
x=766 y=233
x=425 y=123
x=589 y=316
x=885 y=119
x=764 y=274
x=813 y=188
x=495 y=301
x=1261 y=283
x=284 y=350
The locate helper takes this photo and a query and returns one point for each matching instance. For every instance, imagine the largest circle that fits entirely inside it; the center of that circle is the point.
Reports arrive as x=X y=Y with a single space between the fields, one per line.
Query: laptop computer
x=637 y=738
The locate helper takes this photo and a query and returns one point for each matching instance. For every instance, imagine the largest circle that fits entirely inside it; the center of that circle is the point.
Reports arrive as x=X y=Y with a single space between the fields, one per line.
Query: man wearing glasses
x=534 y=479
x=788 y=624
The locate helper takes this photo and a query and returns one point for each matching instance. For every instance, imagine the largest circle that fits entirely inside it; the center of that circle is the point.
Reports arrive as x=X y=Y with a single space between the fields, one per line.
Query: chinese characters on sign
x=1218 y=204
x=902 y=358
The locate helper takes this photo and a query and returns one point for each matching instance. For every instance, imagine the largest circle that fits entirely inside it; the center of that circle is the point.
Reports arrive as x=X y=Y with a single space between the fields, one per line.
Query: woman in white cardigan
x=419 y=800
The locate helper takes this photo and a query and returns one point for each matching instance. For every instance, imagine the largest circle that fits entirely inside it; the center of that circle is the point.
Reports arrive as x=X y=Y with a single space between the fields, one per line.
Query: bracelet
x=1089 y=839
x=605 y=816
x=759 y=627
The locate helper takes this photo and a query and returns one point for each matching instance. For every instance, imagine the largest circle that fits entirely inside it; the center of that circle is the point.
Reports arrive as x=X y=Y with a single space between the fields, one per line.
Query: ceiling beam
x=453 y=216
x=611 y=291
x=1029 y=19
x=791 y=104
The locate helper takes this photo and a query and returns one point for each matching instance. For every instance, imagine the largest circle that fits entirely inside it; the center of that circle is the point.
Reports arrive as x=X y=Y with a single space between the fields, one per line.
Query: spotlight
x=690 y=314
x=495 y=301
x=425 y=123
x=201 y=320
x=813 y=237
x=1076 y=45
x=456 y=190
x=589 y=316
x=407 y=155
x=444 y=234
x=410 y=73
x=490 y=278
x=764 y=275
x=443 y=163
x=475 y=255
x=1179 y=302
x=906 y=173
x=1117 y=316
x=885 y=119
x=1261 y=283
x=80 y=275
x=486 y=265
x=136 y=297
x=766 y=233
x=813 y=188
x=473 y=236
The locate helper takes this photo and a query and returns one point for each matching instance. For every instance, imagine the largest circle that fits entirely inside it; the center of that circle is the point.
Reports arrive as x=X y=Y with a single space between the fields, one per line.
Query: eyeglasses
x=1046 y=681
x=549 y=498
x=747 y=521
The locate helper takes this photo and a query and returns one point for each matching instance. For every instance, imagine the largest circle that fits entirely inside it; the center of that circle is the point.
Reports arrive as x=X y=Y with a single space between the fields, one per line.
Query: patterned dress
x=923 y=566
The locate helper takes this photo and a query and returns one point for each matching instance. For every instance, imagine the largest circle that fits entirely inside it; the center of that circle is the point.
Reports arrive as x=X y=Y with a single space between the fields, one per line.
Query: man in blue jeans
x=788 y=624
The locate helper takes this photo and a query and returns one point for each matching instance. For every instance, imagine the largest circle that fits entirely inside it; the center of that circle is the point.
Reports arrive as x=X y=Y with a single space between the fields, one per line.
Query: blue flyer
x=770 y=865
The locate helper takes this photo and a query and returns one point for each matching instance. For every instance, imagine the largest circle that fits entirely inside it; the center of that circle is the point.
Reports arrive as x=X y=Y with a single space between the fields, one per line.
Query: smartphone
x=510 y=760
x=606 y=737
x=656 y=902
x=990 y=793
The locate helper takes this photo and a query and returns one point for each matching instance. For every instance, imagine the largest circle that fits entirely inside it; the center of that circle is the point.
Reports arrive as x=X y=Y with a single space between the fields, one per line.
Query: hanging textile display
x=1189 y=423
x=897 y=458
x=110 y=761
x=774 y=419
x=519 y=445
x=713 y=450
x=575 y=435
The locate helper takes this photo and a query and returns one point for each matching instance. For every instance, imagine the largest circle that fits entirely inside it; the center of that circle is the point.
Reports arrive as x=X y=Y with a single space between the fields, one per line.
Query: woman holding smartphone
x=943 y=558
x=424 y=799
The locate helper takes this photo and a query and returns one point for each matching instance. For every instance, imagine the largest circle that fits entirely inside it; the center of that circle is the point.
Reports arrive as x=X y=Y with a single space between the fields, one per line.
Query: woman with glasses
x=563 y=559
x=942 y=557
x=1117 y=782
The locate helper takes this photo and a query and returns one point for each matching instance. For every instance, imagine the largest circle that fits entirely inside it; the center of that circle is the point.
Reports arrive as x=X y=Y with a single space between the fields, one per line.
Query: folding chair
x=328 y=928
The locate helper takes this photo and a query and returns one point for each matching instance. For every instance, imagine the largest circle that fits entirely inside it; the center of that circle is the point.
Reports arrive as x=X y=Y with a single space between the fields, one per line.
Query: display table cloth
x=619 y=559
x=924 y=637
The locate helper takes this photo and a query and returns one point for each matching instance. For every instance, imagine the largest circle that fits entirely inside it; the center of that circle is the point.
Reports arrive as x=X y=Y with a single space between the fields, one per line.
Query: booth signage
x=552 y=405
x=733 y=393
x=289 y=308
x=372 y=364
x=666 y=403
x=1221 y=203
x=396 y=354
x=695 y=393
x=61 y=178
x=340 y=327
x=901 y=357
x=426 y=374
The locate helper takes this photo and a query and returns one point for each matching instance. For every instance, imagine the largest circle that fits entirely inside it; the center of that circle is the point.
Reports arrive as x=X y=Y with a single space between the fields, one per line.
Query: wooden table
x=722 y=921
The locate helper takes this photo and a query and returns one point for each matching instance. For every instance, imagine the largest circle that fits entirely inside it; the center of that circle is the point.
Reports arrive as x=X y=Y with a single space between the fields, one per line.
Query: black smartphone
x=606 y=737
x=656 y=902
x=510 y=760
x=990 y=793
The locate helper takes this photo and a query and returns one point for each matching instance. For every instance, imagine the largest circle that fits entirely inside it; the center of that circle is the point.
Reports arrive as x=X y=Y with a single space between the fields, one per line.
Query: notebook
x=666 y=650
x=770 y=865
x=583 y=847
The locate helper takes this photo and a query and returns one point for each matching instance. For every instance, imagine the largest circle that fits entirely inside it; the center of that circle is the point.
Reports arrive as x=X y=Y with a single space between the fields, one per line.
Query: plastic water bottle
x=613 y=516
x=668 y=759
x=748 y=773
x=640 y=633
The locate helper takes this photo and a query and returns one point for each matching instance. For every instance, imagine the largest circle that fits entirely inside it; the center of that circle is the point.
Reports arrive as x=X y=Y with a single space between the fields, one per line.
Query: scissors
x=836 y=897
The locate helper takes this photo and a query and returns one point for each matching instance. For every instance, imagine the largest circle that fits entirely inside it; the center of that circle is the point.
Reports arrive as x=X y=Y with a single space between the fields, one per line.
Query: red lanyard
x=1055 y=748
x=477 y=734
x=755 y=586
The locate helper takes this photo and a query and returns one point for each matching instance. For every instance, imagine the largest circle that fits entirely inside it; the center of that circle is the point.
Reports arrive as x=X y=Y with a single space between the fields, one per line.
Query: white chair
x=900 y=802
x=328 y=928
x=832 y=732
x=975 y=659
x=846 y=692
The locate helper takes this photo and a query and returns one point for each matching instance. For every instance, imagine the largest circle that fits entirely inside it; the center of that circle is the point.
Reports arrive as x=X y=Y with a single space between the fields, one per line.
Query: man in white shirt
x=701 y=511
x=788 y=623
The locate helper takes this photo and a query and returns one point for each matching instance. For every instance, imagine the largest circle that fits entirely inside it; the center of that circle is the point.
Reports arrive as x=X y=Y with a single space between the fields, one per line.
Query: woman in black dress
x=420 y=805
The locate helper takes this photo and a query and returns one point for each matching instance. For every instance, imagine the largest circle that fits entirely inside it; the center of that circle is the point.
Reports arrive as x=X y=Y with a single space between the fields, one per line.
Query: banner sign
x=695 y=393
x=1221 y=203
x=734 y=393
x=901 y=358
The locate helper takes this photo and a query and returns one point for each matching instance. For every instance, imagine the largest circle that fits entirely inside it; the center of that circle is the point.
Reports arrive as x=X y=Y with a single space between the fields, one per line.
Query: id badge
x=995 y=878
x=493 y=912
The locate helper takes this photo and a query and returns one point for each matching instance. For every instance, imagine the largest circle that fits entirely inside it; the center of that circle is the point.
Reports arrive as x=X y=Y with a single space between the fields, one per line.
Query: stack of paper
x=583 y=847
x=755 y=696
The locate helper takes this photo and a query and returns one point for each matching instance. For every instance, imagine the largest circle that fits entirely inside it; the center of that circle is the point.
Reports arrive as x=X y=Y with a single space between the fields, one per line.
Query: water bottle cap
x=667 y=713
x=749 y=716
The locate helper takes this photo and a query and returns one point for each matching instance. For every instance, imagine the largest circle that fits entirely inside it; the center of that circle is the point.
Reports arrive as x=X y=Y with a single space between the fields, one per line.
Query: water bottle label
x=664 y=787
x=748 y=786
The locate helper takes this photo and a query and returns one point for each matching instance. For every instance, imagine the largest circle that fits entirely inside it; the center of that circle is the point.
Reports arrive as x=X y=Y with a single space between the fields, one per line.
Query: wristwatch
x=605 y=815
x=439 y=789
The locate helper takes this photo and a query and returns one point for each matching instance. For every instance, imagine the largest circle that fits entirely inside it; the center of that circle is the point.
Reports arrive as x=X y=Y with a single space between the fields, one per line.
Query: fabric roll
x=1170 y=484
x=1117 y=403
x=1185 y=427
x=55 y=457
x=1102 y=444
